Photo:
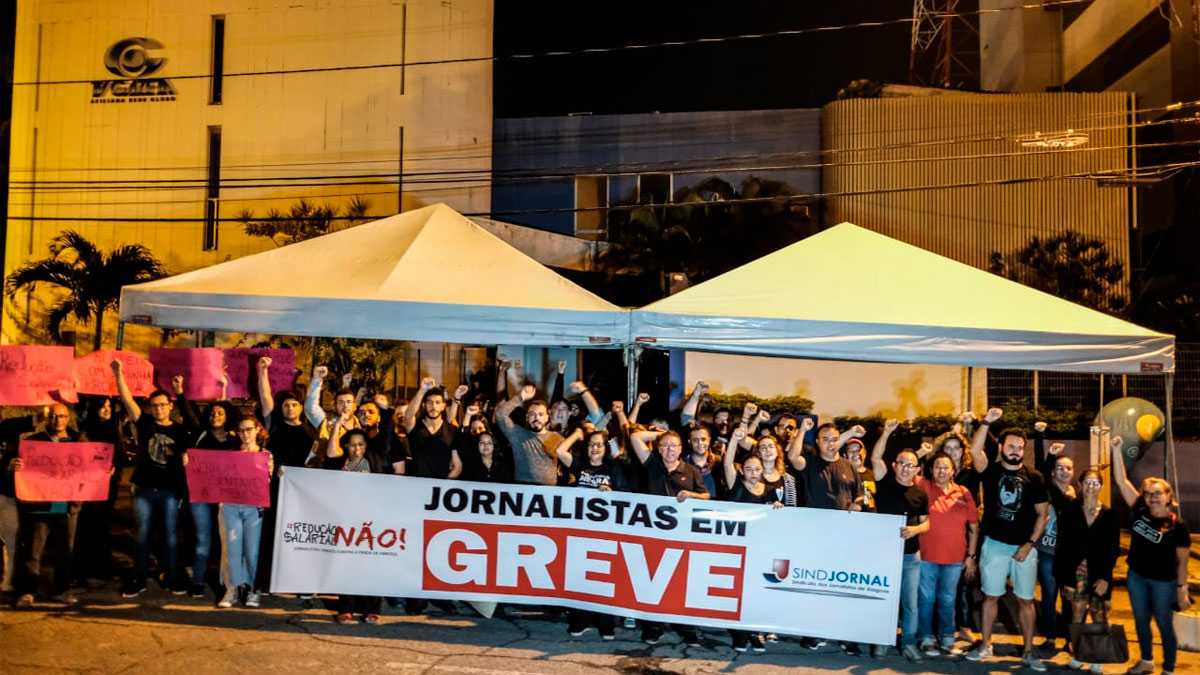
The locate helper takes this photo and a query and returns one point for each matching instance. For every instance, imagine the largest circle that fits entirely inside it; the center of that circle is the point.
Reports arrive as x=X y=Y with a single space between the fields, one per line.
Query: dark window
x=654 y=188
x=212 y=190
x=217 y=81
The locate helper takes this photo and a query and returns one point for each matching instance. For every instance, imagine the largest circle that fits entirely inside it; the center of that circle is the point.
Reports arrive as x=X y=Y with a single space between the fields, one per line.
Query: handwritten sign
x=63 y=472
x=242 y=368
x=35 y=375
x=228 y=477
x=200 y=369
x=93 y=373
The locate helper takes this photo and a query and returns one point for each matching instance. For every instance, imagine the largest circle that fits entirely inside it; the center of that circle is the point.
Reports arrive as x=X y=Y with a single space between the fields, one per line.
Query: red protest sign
x=228 y=477
x=29 y=374
x=93 y=373
x=63 y=472
x=242 y=368
x=201 y=369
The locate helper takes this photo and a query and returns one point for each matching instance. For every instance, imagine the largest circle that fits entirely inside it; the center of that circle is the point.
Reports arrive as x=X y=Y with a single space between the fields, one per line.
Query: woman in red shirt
x=946 y=553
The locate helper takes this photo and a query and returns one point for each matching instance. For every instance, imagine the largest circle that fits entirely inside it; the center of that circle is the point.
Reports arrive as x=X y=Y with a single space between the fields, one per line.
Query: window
x=217 y=81
x=212 y=190
x=591 y=204
x=654 y=188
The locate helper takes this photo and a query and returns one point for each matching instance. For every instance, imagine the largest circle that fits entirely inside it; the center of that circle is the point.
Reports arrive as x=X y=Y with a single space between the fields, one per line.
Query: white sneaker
x=252 y=599
x=1031 y=661
x=980 y=653
x=228 y=599
x=929 y=647
x=949 y=648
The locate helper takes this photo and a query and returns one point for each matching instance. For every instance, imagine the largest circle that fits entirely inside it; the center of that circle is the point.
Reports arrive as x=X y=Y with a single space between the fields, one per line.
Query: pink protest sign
x=228 y=477
x=94 y=375
x=63 y=472
x=201 y=369
x=242 y=367
x=34 y=375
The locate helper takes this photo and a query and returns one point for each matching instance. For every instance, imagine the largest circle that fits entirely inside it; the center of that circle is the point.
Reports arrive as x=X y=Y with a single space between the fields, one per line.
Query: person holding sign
x=47 y=526
x=11 y=429
x=241 y=526
x=158 y=482
x=347 y=451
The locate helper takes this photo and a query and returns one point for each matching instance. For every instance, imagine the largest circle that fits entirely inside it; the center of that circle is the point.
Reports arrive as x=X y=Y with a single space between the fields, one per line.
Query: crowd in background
x=987 y=508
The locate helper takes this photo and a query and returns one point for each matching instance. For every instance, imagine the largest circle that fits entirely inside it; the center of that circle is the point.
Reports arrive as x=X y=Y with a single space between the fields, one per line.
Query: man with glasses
x=1015 y=512
x=158 y=482
x=898 y=494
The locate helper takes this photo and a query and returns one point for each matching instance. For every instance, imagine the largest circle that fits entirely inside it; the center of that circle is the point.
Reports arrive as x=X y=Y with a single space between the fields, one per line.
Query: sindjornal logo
x=780 y=569
x=134 y=60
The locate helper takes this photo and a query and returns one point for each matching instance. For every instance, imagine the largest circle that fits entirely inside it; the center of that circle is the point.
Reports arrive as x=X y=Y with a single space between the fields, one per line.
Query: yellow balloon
x=1148 y=427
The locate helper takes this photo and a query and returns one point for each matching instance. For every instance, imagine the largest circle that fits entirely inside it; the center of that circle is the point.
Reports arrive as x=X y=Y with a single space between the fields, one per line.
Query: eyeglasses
x=905 y=465
x=246 y=430
x=1091 y=483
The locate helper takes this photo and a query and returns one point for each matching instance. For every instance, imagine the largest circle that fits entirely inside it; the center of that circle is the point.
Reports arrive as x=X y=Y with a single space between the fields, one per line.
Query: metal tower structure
x=944 y=51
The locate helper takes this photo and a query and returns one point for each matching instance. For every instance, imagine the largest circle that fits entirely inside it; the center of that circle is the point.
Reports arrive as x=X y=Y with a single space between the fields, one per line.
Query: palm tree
x=92 y=279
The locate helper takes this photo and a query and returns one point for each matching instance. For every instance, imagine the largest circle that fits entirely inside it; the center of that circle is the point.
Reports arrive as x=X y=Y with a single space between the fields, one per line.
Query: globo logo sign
x=135 y=60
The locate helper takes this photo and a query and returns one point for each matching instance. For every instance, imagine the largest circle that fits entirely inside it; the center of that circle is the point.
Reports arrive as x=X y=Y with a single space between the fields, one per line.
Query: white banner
x=830 y=574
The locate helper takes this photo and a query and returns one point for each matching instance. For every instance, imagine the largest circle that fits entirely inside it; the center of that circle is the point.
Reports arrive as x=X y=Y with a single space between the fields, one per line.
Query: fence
x=1066 y=392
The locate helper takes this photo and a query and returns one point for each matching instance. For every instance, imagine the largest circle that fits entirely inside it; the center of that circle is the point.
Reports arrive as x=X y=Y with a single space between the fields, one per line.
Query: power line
x=883 y=23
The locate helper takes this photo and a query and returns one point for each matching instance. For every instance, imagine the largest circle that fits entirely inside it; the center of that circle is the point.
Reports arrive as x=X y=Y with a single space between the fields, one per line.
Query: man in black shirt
x=1015 y=512
x=11 y=429
x=431 y=440
x=668 y=475
x=158 y=481
x=897 y=493
x=830 y=481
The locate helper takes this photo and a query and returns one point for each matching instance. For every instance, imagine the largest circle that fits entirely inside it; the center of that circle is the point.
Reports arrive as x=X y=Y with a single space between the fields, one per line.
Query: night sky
x=781 y=72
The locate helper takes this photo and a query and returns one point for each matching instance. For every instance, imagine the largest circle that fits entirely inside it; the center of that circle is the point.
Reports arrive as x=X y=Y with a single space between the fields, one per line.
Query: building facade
x=161 y=123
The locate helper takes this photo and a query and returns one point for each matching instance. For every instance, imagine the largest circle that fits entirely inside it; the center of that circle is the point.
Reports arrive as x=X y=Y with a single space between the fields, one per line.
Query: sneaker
x=851 y=649
x=929 y=647
x=1031 y=661
x=741 y=645
x=179 y=587
x=577 y=631
x=228 y=599
x=65 y=598
x=371 y=619
x=629 y=623
x=690 y=638
x=651 y=637
x=344 y=618
x=911 y=653
x=26 y=600
x=980 y=653
x=196 y=591
x=132 y=589
x=771 y=637
x=1141 y=668
x=812 y=644
x=253 y=599
x=757 y=643
x=950 y=648
x=608 y=634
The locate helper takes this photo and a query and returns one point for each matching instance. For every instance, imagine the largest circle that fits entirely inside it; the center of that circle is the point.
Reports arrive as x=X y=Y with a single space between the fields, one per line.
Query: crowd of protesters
x=979 y=515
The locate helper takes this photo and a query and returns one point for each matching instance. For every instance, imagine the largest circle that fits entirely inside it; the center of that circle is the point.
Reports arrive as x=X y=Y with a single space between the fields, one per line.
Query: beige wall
x=1020 y=50
x=291 y=125
x=838 y=387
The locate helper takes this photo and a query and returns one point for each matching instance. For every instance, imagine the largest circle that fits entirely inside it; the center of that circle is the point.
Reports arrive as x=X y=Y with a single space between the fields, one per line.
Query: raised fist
x=381 y=401
x=516 y=364
x=1117 y=442
x=967 y=417
x=806 y=425
x=460 y=391
x=750 y=410
x=576 y=388
x=320 y=372
x=562 y=367
x=702 y=387
x=737 y=435
x=992 y=415
x=763 y=416
x=428 y=383
x=1039 y=427
x=177 y=384
x=264 y=363
x=891 y=425
x=472 y=411
x=1056 y=449
x=116 y=366
x=857 y=431
x=618 y=407
x=926 y=448
x=643 y=397
x=528 y=392
x=587 y=427
x=503 y=364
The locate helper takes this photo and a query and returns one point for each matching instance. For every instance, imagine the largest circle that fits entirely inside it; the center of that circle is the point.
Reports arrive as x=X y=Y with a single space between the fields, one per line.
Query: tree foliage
x=1071 y=266
x=91 y=278
x=304 y=220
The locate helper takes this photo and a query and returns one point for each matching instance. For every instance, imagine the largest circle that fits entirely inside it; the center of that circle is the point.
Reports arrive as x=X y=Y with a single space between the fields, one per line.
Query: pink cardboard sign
x=63 y=472
x=228 y=477
x=200 y=369
x=34 y=375
x=242 y=367
x=94 y=375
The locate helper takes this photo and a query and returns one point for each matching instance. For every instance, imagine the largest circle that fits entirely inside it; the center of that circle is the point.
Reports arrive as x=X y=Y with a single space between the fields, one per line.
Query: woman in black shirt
x=1158 y=561
x=349 y=453
x=481 y=462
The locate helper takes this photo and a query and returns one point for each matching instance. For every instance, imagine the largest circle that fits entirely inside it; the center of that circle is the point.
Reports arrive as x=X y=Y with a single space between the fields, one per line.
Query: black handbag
x=1099 y=643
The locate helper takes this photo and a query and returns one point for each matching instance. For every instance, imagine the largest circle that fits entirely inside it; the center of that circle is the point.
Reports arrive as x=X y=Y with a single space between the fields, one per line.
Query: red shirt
x=949 y=513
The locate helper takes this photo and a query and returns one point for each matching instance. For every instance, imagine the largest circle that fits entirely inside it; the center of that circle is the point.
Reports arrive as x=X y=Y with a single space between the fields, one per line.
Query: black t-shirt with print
x=1009 y=503
x=829 y=485
x=739 y=493
x=1153 y=541
x=660 y=481
x=159 y=462
x=595 y=477
x=900 y=500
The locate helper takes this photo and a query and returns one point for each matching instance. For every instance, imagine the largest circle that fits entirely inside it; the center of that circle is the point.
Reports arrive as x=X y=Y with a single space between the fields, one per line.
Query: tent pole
x=120 y=334
x=1170 y=468
x=632 y=356
x=970 y=388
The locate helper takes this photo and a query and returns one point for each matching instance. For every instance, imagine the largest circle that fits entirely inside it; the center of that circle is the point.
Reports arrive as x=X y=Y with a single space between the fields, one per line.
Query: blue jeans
x=939 y=586
x=1152 y=598
x=149 y=504
x=241 y=530
x=202 y=519
x=910 y=581
x=1048 y=607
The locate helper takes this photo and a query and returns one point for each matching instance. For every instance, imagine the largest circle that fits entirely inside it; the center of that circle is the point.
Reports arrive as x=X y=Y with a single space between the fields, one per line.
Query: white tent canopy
x=850 y=294
x=429 y=274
